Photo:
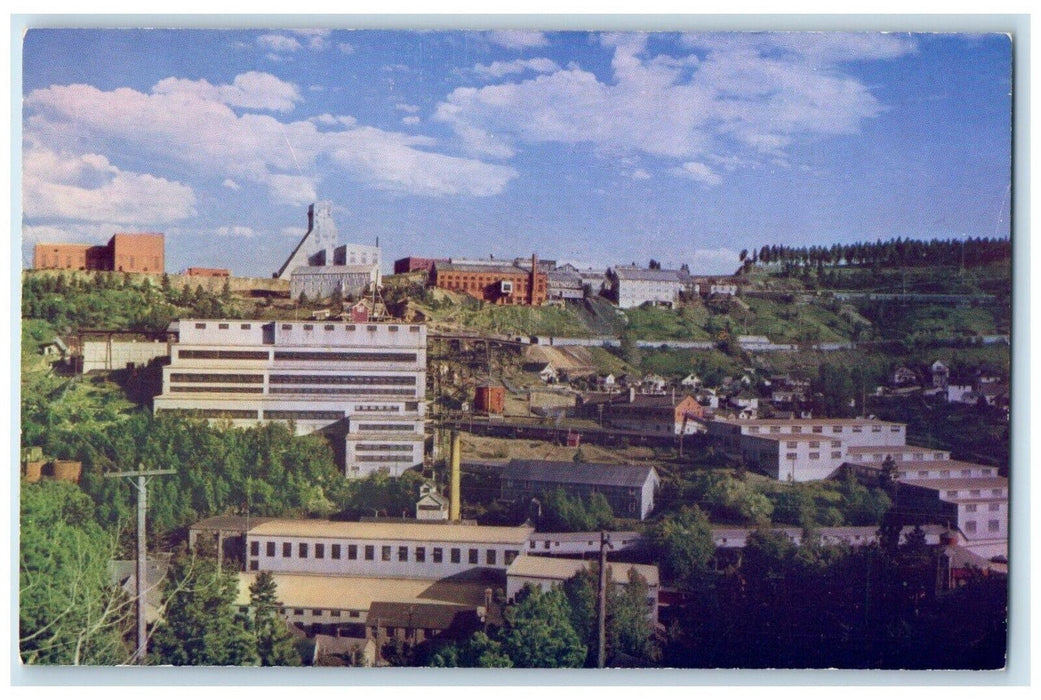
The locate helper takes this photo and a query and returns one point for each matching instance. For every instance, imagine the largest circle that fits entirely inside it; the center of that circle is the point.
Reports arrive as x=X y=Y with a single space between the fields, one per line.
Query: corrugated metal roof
x=625 y=475
x=562 y=569
x=418 y=531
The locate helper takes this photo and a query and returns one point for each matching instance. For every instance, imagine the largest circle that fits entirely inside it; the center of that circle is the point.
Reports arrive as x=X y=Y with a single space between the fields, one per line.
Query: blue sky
x=596 y=148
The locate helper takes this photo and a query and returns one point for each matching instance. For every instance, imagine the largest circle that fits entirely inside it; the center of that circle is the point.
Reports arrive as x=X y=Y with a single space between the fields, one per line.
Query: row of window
x=345 y=356
x=403 y=459
x=386 y=552
x=348 y=327
x=174 y=389
x=992 y=526
x=975 y=493
x=407 y=380
x=237 y=414
x=353 y=391
x=814 y=443
x=992 y=507
x=383 y=447
x=214 y=378
x=791 y=456
x=223 y=354
x=796 y=429
x=381 y=427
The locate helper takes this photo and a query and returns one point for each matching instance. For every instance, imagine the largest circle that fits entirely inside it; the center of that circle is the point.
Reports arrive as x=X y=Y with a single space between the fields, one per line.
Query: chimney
x=455 y=495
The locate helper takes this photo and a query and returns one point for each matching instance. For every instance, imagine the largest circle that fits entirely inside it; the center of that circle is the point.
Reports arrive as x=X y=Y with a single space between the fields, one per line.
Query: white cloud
x=404 y=107
x=640 y=174
x=88 y=188
x=747 y=98
x=235 y=232
x=315 y=39
x=231 y=184
x=516 y=39
x=498 y=69
x=191 y=122
x=278 y=43
x=345 y=48
x=251 y=90
x=410 y=121
x=698 y=172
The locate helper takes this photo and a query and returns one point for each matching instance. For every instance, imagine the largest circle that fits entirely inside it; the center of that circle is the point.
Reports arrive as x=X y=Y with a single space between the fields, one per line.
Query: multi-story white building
x=636 y=286
x=363 y=385
x=379 y=549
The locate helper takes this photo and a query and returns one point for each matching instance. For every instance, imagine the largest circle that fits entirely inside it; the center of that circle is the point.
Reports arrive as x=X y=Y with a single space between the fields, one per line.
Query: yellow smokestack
x=455 y=494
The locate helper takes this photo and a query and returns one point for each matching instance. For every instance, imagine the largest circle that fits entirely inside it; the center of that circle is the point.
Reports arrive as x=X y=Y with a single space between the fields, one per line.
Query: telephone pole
x=601 y=602
x=140 y=479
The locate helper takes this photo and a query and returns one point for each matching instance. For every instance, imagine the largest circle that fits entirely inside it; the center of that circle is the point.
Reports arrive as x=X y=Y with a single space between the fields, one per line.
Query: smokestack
x=534 y=276
x=454 y=495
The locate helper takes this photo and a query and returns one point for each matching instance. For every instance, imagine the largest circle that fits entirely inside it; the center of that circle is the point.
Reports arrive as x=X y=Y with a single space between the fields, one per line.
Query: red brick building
x=411 y=264
x=503 y=284
x=125 y=252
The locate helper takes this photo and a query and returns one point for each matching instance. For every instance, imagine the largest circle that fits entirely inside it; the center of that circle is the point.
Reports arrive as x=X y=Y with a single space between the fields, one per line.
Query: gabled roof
x=431 y=616
x=622 y=475
x=630 y=274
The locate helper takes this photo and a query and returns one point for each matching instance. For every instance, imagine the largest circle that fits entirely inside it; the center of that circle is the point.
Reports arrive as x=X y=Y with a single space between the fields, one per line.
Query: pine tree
x=274 y=642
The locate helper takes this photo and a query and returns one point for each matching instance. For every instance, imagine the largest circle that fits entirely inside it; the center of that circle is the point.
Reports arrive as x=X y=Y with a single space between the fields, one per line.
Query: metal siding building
x=628 y=488
x=363 y=384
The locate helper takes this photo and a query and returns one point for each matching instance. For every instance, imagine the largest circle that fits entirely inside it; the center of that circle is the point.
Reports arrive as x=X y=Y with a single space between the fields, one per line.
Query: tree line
x=895 y=252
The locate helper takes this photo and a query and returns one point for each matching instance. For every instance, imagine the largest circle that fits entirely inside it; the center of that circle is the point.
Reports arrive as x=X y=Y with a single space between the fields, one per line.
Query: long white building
x=363 y=385
x=374 y=549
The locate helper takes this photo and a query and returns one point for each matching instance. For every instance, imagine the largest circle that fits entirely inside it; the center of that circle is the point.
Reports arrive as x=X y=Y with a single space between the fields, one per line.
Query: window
x=952 y=494
x=334 y=613
x=271 y=549
x=254 y=548
x=945 y=473
x=815 y=455
x=796 y=429
x=329 y=328
x=298 y=611
x=287 y=549
x=836 y=443
x=402 y=553
x=993 y=525
x=352 y=552
x=317 y=612
x=814 y=443
x=923 y=474
x=489 y=557
x=937 y=455
x=370 y=552
x=245 y=326
x=511 y=554
x=775 y=428
x=319 y=551
x=858 y=429
x=438 y=555
x=876 y=428
x=222 y=326
x=994 y=507
x=473 y=556
x=970 y=508
x=836 y=428
x=254 y=565
x=200 y=325
x=455 y=555
x=335 y=551
x=995 y=492
x=791 y=444
x=836 y=455
x=970 y=526
x=421 y=554
x=385 y=553
x=302 y=550
x=791 y=456
x=818 y=428
x=287 y=326
x=753 y=430
x=974 y=493
x=308 y=327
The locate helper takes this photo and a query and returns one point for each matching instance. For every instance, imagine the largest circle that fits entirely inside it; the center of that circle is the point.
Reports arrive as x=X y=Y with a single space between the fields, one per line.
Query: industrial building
x=497 y=282
x=125 y=252
x=319 y=267
x=362 y=385
x=635 y=286
x=629 y=489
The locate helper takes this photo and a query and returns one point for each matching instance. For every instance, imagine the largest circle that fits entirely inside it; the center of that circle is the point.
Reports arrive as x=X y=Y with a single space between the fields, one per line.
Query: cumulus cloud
x=744 y=97
x=231 y=184
x=640 y=174
x=194 y=123
x=87 y=188
x=498 y=69
x=410 y=121
x=278 y=43
x=517 y=39
x=405 y=107
x=251 y=90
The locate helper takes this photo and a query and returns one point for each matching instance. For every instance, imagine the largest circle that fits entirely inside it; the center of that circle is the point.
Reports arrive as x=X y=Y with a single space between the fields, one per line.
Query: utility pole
x=141 y=478
x=601 y=602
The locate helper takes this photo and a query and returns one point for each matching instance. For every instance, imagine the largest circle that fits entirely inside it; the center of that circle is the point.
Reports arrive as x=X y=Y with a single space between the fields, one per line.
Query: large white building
x=363 y=385
x=379 y=549
x=636 y=286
